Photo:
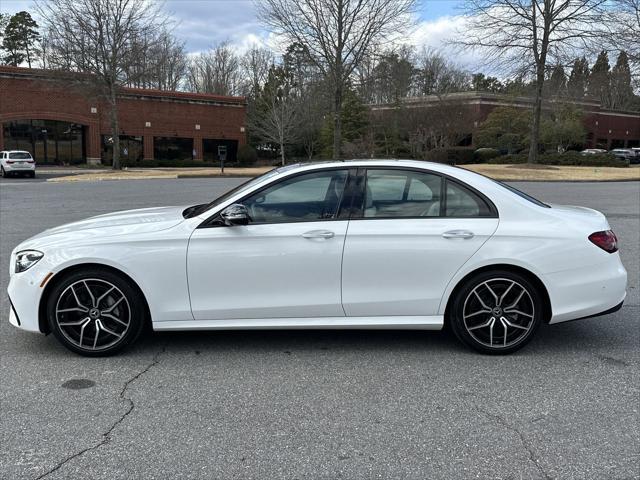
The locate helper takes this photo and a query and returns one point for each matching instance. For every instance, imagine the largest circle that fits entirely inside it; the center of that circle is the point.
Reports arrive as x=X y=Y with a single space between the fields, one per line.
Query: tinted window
x=522 y=194
x=303 y=198
x=401 y=193
x=20 y=156
x=463 y=202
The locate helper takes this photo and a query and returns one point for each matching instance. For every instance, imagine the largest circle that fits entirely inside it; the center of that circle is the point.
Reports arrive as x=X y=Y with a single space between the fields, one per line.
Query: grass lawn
x=499 y=172
x=557 y=173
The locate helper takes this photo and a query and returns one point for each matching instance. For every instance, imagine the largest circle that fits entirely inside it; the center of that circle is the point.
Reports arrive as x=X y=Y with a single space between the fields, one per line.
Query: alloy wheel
x=498 y=313
x=93 y=314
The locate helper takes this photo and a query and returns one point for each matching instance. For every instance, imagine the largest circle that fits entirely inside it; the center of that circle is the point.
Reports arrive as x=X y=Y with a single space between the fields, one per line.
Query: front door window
x=303 y=198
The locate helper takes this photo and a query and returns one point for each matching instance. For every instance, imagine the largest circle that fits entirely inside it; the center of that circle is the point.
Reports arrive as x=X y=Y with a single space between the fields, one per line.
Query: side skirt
x=403 y=323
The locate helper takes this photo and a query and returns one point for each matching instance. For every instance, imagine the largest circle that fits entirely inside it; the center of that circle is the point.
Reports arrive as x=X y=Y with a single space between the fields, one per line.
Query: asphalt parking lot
x=328 y=404
x=40 y=177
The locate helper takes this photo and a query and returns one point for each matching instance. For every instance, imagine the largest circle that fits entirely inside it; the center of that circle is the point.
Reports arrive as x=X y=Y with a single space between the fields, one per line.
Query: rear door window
x=464 y=202
x=398 y=193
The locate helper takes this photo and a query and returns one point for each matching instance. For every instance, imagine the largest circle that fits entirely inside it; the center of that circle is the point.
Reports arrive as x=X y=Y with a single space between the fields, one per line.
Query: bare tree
x=255 y=65
x=312 y=106
x=625 y=20
x=275 y=116
x=392 y=77
x=338 y=34
x=97 y=38
x=435 y=75
x=442 y=122
x=215 y=71
x=170 y=62
x=526 y=36
x=160 y=62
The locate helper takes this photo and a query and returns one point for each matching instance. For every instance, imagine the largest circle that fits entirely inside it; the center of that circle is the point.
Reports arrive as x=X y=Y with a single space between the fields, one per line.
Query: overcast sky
x=203 y=23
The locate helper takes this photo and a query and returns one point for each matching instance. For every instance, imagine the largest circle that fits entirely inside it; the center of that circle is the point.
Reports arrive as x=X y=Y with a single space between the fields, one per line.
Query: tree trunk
x=115 y=128
x=282 y=152
x=541 y=65
x=337 y=121
x=537 y=113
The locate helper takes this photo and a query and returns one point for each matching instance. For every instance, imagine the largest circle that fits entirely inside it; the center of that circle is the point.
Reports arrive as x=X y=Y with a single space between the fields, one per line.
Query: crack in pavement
x=106 y=436
x=533 y=458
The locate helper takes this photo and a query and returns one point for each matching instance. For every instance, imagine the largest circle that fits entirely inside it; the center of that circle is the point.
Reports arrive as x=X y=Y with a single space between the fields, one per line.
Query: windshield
x=196 y=210
x=20 y=156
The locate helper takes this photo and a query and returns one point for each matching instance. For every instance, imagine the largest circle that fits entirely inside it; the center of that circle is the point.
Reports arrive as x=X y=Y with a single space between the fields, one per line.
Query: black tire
x=81 y=287
x=498 y=338
x=32 y=174
x=4 y=174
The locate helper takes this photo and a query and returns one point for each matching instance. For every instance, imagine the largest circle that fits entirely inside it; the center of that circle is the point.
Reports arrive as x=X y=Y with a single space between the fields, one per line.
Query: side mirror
x=236 y=214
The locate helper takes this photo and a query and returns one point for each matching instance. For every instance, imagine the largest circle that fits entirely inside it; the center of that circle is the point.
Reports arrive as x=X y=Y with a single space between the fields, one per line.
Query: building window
x=48 y=141
x=172 y=148
x=214 y=149
x=131 y=149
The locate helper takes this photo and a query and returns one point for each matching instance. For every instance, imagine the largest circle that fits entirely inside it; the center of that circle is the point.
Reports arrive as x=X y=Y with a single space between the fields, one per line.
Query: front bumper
x=587 y=291
x=24 y=298
x=13 y=316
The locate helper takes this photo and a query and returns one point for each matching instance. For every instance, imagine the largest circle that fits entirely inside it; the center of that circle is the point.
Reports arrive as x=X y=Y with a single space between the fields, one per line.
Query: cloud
x=203 y=24
x=437 y=33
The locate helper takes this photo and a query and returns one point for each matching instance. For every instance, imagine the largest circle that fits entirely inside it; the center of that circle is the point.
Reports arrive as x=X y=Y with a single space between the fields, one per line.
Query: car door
x=411 y=231
x=285 y=263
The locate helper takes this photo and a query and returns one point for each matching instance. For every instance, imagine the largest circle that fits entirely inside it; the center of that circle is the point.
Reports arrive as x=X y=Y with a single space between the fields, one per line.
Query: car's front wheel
x=95 y=312
x=496 y=312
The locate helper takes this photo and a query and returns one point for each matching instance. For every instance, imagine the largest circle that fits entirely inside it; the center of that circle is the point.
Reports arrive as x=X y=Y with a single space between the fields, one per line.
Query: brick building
x=605 y=128
x=60 y=124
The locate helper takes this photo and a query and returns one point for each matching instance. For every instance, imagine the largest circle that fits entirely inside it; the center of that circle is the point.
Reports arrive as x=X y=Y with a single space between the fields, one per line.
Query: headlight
x=27 y=259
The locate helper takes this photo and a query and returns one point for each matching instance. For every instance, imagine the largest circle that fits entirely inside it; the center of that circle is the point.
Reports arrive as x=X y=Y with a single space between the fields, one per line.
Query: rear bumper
x=606 y=312
x=11 y=168
x=587 y=291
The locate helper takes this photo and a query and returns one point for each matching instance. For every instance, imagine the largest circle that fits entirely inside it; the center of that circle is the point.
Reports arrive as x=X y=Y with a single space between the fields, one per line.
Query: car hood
x=129 y=222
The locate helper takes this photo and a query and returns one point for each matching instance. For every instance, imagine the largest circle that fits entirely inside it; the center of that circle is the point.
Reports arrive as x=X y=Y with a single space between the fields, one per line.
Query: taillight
x=606 y=240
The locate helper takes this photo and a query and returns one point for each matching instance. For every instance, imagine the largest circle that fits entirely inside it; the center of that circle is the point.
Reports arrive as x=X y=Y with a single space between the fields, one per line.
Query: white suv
x=17 y=161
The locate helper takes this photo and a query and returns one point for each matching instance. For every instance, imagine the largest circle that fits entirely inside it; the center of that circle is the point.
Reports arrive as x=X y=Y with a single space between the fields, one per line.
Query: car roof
x=373 y=162
x=16 y=151
x=476 y=180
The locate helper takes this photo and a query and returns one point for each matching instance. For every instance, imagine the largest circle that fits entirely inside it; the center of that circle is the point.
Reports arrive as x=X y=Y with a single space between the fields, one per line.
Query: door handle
x=458 y=234
x=319 y=234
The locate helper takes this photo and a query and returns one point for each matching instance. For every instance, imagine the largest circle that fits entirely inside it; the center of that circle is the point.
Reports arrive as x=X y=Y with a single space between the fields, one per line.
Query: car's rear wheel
x=4 y=173
x=496 y=312
x=95 y=312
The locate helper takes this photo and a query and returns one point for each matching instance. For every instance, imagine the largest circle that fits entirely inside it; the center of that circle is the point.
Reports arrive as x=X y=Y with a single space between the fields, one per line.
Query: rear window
x=523 y=195
x=20 y=156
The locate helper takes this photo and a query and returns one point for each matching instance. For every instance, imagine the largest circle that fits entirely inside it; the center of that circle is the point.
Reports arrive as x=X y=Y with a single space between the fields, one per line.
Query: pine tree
x=578 y=79
x=557 y=83
x=355 y=120
x=621 y=91
x=480 y=83
x=599 y=86
x=20 y=38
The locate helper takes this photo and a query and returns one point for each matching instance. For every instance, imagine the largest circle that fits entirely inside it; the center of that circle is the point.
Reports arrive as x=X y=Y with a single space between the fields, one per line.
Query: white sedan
x=356 y=244
x=18 y=162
